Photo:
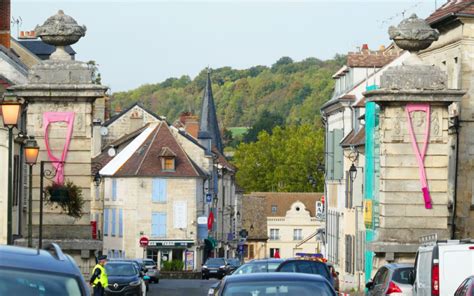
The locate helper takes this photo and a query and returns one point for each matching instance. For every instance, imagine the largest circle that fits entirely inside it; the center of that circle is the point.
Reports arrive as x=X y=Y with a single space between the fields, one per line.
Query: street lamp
x=10 y=114
x=31 y=155
x=352 y=172
x=97 y=179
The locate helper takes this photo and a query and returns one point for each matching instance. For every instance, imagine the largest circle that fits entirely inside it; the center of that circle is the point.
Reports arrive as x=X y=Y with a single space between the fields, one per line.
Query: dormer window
x=168 y=160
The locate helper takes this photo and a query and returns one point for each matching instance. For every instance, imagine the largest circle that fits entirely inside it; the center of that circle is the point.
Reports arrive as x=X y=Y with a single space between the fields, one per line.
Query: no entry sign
x=144 y=241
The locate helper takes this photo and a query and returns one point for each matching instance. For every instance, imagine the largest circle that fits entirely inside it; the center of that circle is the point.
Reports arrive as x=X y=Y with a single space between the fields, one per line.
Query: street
x=168 y=287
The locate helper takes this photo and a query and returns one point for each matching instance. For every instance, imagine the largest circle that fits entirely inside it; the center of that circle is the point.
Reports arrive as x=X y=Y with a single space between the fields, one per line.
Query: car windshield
x=280 y=288
x=22 y=282
x=403 y=275
x=257 y=267
x=234 y=262
x=120 y=269
x=215 y=261
x=149 y=262
x=303 y=266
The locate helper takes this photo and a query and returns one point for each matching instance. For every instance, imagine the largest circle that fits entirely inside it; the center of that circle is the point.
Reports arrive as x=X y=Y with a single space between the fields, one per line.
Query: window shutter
x=162 y=224
x=330 y=155
x=180 y=214
x=113 y=222
x=114 y=189
x=338 y=154
x=120 y=222
x=159 y=190
x=106 y=221
x=154 y=224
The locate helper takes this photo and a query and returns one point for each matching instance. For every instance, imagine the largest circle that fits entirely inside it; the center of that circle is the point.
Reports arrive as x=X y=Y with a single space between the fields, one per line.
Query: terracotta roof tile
x=284 y=200
x=368 y=59
x=360 y=103
x=252 y=209
x=452 y=8
x=146 y=162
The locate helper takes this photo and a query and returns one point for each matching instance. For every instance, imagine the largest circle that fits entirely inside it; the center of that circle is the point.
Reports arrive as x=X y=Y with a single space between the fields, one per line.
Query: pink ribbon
x=50 y=117
x=420 y=157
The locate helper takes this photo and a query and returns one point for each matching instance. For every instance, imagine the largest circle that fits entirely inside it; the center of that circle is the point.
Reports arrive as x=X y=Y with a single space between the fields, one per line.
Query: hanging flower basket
x=68 y=196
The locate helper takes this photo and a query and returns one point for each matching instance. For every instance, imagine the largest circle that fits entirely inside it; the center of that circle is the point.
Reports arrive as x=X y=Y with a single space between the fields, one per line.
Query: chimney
x=190 y=123
x=365 y=47
x=382 y=48
x=5 y=23
x=118 y=109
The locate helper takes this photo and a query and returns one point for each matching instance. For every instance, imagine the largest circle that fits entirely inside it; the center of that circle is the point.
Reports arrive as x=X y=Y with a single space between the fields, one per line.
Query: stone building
x=453 y=53
x=60 y=95
x=255 y=226
x=153 y=189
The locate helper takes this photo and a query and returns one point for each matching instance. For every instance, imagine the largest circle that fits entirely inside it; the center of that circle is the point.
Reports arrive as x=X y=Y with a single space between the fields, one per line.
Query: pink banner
x=58 y=163
x=420 y=156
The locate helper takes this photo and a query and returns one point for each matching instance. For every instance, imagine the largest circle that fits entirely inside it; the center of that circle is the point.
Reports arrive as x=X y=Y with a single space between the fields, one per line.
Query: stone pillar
x=63 y=85
x=403 y=216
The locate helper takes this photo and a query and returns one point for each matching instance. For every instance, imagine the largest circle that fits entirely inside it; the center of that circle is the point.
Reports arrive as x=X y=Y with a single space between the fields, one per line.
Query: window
x=334 y=155
x=297 y=234
x=349 y=254
x=169 y=164
x=114 y=189
x=120 y=222
x=251 y=251
x=274 y=234
x=349 y=191
x=159 y=190
x=158 y=224
x=113 y=222
x=274 y=209
x=106 y=222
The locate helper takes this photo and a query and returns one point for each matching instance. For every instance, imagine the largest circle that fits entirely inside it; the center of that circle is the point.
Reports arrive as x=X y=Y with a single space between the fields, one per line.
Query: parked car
x=441 y=266
x=25 y=271
x=466 y=288
x=215 y=268
x=275 y=283
x=151 y=269
x=139 y=265
x=335 y=276
x=259 y=265
x=234 y=263
x=392 y=279
x=124 y=279
x=307 y=266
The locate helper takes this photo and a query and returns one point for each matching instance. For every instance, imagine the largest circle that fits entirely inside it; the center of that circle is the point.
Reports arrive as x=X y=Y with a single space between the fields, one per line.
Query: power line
x=389 y=20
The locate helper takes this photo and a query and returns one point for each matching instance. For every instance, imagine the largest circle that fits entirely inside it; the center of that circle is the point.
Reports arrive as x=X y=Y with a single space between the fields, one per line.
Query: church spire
x=208 y=125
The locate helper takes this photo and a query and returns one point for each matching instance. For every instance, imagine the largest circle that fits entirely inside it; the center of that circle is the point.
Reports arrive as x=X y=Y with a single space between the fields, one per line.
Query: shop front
x=162 y=251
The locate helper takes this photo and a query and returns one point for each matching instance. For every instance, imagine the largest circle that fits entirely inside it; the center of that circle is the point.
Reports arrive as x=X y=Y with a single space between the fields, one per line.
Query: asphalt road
x=181 y=287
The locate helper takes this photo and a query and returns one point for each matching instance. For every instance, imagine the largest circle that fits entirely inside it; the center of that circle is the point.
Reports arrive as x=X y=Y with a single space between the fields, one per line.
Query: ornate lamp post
x=11 y=112
x=31 y=155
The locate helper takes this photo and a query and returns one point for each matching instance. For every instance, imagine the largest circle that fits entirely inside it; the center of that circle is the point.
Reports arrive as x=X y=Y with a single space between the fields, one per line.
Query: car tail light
x=393 y=288
x=435 y=279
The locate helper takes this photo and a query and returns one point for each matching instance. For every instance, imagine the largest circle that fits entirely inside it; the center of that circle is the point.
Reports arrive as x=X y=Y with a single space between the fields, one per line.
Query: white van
x=441 y=266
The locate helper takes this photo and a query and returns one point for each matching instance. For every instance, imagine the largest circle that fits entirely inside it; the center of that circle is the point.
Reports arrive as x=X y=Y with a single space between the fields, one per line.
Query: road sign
x=144 y=241
x=208 y=197
x=240 y=249
x=243 y=233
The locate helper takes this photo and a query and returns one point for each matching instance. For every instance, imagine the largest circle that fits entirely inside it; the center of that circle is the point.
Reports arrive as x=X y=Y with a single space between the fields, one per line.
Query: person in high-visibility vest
x=99 y=280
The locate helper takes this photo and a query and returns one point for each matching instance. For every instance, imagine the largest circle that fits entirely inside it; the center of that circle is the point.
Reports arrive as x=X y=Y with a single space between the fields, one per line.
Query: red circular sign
x=322 y=199
x=144 y=241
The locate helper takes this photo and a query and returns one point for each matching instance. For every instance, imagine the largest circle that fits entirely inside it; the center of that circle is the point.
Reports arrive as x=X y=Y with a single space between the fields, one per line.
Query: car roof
x=120 y=262
x=398 y=265
x=277 y=260
x=36 y=259
x=274 y=276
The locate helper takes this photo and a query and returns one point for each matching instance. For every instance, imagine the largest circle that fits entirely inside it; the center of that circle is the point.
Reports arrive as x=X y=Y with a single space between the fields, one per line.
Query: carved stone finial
x=60 y=30
x=413 y=34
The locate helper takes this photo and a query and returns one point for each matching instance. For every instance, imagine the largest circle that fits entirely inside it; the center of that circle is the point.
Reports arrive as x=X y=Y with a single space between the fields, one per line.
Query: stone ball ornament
x=60 y=30
x=413 y=34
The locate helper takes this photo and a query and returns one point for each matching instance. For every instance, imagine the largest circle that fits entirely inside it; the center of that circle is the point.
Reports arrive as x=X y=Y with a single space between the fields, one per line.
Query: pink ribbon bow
x=50 y=117
x=420 y=156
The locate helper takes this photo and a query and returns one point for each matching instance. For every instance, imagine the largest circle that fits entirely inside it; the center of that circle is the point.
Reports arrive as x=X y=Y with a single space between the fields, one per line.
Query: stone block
x=414 y=222
x=412 y=198
x=398 y=161
x=410 y=235
x=412 y=185
x=413 y=173
x=406 y=149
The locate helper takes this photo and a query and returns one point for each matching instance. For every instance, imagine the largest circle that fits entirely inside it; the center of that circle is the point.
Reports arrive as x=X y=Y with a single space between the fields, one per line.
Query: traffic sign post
x=144 y=241
x=208 y=197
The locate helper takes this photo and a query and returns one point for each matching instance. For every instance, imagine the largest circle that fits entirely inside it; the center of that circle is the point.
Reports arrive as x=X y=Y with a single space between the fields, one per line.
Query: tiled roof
x=354 y=139
x=345 y=142
x=166 y=152
x=284 y=200
x=145 y=160
x=252 y=209
x=117 y=116
x=452 y=8
x=369 y=59
x=360 y=103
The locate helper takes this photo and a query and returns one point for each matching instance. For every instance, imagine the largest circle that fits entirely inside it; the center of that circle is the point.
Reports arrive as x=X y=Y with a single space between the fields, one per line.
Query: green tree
x=282 y=161
x=266 y=122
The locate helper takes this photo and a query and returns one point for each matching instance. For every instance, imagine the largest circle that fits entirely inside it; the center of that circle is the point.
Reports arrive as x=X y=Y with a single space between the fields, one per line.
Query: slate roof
x=117 y=116
x=452 y=9
x=208 y=124
x=284 y=200
x=145 y=161
x=41 y=49
x=13 y=56
x=369 y=59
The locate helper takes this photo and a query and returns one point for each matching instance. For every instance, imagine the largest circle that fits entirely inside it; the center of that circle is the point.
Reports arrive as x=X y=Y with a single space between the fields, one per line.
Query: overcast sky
x=138 y=42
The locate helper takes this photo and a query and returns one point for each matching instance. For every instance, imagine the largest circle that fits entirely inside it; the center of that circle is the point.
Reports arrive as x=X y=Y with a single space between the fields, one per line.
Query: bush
x=174 y=265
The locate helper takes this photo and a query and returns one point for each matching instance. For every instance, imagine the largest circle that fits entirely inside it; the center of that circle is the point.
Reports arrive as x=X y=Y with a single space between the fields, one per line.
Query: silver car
x=152 y=270
x=392 y=279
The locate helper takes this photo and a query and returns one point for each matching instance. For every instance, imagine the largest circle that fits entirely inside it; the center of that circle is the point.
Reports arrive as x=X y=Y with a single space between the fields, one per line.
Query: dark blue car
x=277 y=283
x=46 y=272
x=307 y=266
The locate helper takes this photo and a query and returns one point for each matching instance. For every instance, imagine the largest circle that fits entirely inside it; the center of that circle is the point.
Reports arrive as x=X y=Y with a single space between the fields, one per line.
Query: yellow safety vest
x=102 y=278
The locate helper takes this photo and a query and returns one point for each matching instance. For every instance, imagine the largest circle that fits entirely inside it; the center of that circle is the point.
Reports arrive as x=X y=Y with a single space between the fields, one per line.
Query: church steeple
x=208 y=125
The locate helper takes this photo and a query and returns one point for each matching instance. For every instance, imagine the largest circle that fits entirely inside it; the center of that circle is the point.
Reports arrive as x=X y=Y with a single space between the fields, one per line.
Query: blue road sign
x=208 y=197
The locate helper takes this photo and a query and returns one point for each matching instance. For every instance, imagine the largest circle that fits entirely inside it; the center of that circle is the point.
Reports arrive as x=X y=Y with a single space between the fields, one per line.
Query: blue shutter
x=154 y=224
x=106 y=221
x=114 y=189
x=159 y=190
x=113 y=222
x=120 y=223
x=162 y=225
x=338 y=155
